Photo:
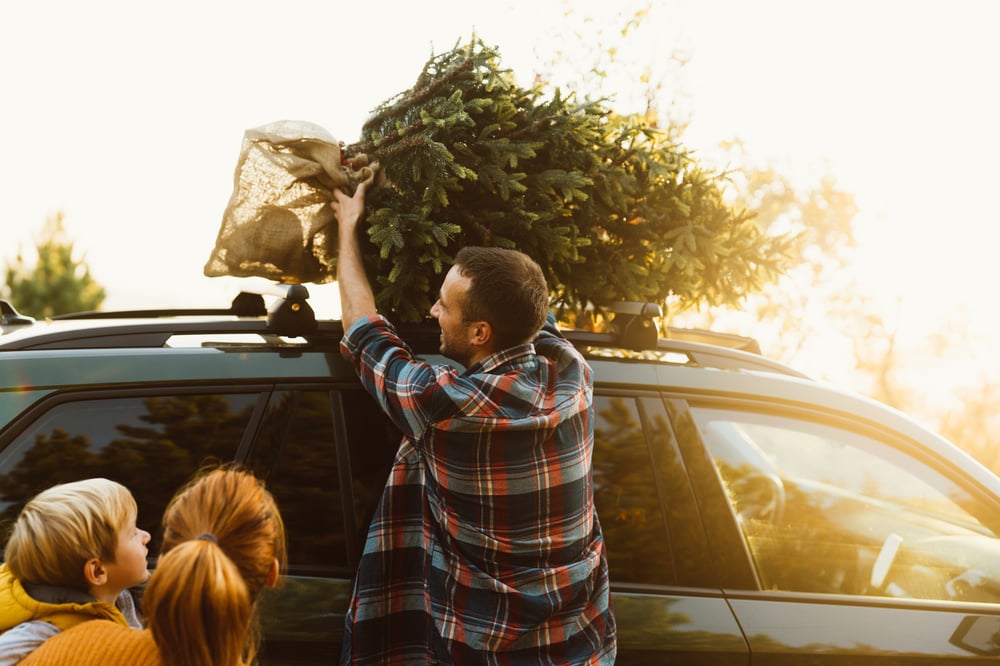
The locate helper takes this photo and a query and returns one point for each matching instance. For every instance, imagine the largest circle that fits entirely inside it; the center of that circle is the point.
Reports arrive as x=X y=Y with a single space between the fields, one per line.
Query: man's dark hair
x=507 y=289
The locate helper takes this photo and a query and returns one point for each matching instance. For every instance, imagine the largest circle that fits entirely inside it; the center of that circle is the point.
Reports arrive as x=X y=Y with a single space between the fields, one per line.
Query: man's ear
x=482 y=334
x=272 y=573
x=94 y=572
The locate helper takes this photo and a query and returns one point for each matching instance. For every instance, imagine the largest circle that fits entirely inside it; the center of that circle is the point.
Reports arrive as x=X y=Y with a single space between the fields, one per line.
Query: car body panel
x=692 y=629
x=99 y=367
x=686 y=586
x=779 y=627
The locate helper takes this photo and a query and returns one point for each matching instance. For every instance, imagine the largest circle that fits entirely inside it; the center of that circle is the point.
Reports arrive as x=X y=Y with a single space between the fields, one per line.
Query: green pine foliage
x=58 y=283
x=611 y=208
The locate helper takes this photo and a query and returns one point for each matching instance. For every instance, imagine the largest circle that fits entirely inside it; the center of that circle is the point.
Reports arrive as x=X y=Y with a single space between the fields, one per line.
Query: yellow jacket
x=17 y=606
x=98 y=643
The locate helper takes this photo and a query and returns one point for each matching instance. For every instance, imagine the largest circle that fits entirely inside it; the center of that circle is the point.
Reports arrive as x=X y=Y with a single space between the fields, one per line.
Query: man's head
x=491 y=299
x=80 y=535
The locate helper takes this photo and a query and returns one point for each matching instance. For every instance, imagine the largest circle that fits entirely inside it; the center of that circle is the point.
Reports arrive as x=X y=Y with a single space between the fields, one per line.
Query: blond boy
x=72 y=555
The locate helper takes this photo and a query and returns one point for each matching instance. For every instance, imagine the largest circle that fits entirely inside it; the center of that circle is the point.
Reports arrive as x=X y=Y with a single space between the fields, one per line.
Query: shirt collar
x=502 y=357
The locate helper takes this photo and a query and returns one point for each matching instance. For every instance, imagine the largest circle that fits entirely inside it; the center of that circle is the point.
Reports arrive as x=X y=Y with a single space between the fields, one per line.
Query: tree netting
x=278 y=223
x=611 y=208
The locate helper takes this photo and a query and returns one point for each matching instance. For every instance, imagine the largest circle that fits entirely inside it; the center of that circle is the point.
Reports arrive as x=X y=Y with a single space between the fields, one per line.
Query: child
x=223 y=543
x=72 y=555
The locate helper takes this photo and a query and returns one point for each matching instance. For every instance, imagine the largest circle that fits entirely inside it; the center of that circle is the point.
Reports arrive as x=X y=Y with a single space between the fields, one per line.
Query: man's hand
x=356 y=298
x=349 y=210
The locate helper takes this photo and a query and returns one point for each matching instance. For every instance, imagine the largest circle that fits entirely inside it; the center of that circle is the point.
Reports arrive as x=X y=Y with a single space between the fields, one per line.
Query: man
x=485 y=547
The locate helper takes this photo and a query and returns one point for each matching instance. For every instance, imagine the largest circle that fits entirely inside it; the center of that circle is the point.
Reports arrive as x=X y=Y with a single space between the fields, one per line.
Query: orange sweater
x=97 y=643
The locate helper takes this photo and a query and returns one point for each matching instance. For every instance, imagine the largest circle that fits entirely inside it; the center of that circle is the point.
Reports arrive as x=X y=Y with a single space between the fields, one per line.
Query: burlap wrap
x=278 y=223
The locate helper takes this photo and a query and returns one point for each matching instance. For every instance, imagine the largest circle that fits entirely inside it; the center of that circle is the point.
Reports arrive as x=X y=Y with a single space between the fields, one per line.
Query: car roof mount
x=633 y=325
x=290 y=315
x=11 y=317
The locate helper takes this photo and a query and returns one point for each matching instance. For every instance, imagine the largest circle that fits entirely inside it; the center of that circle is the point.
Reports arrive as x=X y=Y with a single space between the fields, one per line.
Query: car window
x=625 y=492
x=152 y=444
x=827 y=510
x=296 y=455
x=373 y=441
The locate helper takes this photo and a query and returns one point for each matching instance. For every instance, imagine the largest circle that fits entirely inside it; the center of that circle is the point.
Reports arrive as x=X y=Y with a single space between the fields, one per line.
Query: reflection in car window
x=296 y=454
x=150 y=444
x=831 y=511
x=625 y=492
x=374 y=441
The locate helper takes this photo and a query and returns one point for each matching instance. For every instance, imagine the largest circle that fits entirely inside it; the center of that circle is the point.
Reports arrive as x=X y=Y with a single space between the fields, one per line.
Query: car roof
x=632 y=335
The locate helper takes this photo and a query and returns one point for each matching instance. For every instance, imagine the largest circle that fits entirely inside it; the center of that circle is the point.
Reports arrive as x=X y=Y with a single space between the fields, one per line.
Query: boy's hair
x=61 y=528
x=507 y=289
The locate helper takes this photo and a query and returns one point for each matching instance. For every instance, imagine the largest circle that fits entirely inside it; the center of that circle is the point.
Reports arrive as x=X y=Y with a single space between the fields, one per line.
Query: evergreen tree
x=611 y=208
x=58 y=283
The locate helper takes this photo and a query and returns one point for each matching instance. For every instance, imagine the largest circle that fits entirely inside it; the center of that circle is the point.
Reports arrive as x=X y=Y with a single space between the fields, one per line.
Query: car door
x=667 y=600
x=859 y=545
x=325 y=454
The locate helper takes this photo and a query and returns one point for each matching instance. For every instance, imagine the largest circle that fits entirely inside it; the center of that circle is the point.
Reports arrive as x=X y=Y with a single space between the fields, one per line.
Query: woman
x=223 y=542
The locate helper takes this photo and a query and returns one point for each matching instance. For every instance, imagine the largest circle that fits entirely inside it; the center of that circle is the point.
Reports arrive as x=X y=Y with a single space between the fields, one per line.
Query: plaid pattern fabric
x=485 y=547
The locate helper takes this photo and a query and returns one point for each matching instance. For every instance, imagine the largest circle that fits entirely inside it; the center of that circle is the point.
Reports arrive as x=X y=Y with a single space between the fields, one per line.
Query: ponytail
x=200 y=612
x=222 y=535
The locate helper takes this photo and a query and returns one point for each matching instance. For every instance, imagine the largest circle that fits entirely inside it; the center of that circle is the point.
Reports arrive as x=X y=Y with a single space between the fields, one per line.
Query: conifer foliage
x=611 y=208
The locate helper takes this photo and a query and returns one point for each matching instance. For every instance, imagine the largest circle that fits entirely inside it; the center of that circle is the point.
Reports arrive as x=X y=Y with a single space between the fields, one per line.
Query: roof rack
x=632 y=331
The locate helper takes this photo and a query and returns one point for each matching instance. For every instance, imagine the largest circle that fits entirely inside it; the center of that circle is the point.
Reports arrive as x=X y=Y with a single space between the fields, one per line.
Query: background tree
x=609 y=57
x=816 y=303
x=58 y=283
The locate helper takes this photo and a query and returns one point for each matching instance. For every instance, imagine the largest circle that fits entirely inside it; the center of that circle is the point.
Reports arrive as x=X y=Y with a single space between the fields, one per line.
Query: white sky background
x=128 y=117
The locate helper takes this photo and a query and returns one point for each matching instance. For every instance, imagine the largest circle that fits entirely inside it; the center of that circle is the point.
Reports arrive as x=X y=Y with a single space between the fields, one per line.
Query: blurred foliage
x=58 y=283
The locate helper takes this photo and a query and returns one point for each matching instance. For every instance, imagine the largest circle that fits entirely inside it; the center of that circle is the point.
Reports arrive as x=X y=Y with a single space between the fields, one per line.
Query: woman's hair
x=61 y=528
x=222 y=534
x=507 y=289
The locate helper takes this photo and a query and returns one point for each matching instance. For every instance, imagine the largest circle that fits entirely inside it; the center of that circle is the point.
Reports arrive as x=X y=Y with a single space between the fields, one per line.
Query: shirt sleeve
x=18 y=642
x=552 y=344
x=409 y=391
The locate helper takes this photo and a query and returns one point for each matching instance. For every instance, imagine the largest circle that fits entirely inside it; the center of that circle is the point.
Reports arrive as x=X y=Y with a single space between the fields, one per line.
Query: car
x=752 y=515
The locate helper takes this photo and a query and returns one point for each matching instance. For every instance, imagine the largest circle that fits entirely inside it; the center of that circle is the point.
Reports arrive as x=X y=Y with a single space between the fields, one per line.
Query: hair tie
x=207 y=536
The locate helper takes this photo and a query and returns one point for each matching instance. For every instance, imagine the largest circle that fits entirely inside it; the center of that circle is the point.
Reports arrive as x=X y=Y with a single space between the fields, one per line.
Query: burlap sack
x=278 y=223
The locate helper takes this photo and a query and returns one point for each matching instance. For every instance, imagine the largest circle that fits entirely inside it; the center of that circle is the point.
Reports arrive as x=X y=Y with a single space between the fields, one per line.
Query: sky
x=127 y=117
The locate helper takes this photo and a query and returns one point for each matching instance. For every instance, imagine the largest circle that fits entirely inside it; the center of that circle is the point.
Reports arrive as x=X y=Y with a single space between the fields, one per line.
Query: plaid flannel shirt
x=485 y=547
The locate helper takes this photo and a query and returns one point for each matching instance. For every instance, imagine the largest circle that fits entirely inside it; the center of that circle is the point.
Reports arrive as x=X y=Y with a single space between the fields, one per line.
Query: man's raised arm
x=356 y=297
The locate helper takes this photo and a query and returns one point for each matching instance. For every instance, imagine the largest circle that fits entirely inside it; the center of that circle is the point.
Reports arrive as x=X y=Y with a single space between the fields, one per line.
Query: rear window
x=152 y=444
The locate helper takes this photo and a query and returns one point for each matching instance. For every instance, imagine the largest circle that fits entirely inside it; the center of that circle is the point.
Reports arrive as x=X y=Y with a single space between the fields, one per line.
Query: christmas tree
x=611 y=208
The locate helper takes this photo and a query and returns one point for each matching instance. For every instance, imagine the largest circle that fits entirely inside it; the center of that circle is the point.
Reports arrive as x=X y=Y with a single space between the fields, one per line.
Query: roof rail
x=290 y=315
x=633 y=328
x=245 y=304
x=715 y=338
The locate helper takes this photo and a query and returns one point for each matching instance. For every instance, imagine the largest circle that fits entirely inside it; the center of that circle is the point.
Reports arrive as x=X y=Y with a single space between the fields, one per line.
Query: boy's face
x=129 y=568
